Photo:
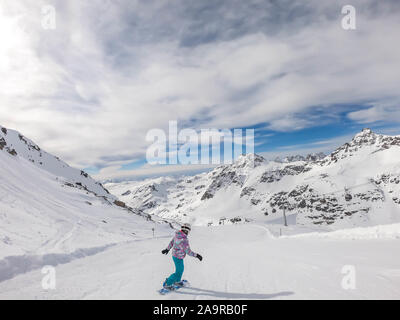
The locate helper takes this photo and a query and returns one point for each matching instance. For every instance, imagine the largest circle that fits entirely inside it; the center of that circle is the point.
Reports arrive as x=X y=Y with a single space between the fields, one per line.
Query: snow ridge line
x=390 y=231
x=12 y=266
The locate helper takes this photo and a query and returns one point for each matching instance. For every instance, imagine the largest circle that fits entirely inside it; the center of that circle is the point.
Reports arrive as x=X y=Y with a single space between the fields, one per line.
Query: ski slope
x=240 y=262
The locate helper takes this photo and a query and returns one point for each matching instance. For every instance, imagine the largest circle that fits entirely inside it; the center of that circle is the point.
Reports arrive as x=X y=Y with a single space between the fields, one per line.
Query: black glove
x=165 y=251
x=199 y=257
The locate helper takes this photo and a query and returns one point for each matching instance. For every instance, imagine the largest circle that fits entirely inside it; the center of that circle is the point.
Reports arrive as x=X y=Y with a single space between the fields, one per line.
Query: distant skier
x=180 y=245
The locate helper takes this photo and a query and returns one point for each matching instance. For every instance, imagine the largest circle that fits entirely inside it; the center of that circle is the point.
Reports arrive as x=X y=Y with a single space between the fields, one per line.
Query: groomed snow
x=240 y=262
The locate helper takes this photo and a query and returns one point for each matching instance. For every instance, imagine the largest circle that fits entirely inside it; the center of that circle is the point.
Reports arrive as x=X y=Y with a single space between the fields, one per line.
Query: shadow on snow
x=230 y=295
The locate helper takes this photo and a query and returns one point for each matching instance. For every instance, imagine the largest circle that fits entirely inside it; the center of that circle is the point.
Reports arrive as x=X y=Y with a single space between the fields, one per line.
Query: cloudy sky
x=90 y=89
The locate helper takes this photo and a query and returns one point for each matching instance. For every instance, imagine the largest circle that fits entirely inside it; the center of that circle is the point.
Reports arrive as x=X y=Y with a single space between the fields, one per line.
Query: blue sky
x=324 y=137
x=324 y=131
x=110 y=71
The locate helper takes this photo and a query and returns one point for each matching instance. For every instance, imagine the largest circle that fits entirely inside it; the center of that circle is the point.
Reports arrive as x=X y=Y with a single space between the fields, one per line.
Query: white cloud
x=114 y=174
x=91 y=89
x=326 y=146
x=380 y=112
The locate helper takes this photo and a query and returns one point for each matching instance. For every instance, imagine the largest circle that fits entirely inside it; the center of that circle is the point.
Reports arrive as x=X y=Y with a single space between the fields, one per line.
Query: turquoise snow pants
x=177 y=276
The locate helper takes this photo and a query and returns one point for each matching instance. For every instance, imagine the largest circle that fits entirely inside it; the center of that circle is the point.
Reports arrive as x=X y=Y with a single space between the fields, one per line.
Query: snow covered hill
x=356 y=185
x=49 y=210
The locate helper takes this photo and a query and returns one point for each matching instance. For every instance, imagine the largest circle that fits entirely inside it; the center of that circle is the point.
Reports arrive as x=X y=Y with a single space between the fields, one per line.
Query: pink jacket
x=181 y=246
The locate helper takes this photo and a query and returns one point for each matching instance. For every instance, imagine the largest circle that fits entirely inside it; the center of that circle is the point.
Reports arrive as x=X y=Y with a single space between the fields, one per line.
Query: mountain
x=309 y=157
x=16 y=144
x=356 y=185
x=48 y=207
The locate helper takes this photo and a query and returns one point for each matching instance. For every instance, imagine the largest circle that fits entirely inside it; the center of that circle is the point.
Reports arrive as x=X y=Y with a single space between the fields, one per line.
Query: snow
x=240 y=262
x=391 y=231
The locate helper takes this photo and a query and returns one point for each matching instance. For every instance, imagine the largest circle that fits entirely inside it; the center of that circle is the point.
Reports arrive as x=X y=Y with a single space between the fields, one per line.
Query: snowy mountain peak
x=365 y=136
x=308 y=158
x=366 y=131
x=364 y=143
x=369 y=138
x=250 y=160
x=20 y=147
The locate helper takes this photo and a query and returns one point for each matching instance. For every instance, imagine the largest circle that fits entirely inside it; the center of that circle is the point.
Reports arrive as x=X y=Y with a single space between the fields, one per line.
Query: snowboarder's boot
x=165 y=286
x=180 y=284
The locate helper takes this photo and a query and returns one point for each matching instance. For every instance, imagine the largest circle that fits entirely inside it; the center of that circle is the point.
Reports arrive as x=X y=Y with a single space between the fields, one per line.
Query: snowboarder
x=180 y=245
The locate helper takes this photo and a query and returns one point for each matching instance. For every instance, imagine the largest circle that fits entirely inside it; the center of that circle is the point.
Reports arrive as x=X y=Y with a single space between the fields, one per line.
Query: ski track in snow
x=13 y=266
x=240 y=262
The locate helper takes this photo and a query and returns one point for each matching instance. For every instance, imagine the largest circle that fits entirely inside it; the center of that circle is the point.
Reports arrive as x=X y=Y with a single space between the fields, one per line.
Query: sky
x=87 y=80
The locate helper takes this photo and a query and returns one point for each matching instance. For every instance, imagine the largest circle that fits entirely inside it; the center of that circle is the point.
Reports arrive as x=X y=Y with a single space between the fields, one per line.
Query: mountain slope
x=15 y=144
x=48 y=207
x=356 y=185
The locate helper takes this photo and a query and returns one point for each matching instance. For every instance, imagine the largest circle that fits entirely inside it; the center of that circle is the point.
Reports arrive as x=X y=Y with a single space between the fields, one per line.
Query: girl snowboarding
x=180 y=245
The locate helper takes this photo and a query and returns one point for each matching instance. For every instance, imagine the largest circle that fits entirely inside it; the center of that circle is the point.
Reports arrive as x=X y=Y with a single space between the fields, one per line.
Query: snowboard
x=164 y=291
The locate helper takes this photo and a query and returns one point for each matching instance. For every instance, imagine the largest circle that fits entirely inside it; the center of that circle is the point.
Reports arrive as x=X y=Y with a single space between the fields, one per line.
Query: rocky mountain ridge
x=357 y=184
